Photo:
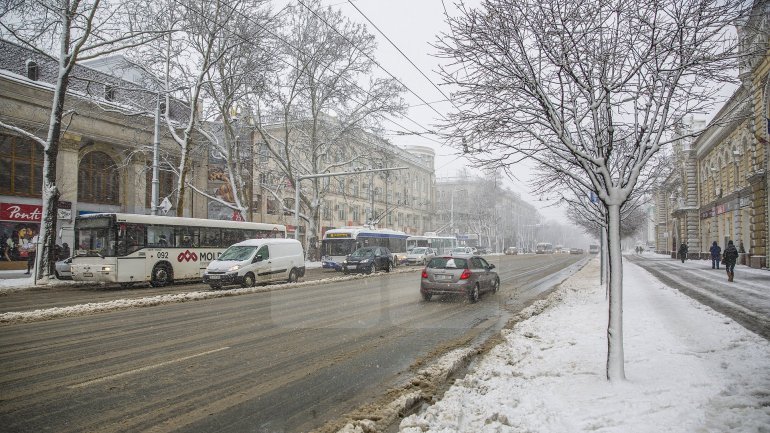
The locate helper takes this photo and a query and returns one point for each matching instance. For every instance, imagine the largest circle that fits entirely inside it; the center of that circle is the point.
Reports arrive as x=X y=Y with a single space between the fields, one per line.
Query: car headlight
x=233 y=268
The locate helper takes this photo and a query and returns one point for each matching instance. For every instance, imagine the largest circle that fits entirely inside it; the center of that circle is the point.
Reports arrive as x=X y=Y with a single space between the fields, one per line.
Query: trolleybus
x=338 y=243
x=129 y=248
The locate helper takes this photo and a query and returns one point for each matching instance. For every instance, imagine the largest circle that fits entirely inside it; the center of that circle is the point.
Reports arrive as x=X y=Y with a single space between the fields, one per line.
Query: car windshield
x=237 y=253
x=420 y=250
x=448 y=263
x=363 y=252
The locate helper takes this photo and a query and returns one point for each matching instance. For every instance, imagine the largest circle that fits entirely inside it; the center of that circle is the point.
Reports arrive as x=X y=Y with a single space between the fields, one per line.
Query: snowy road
x=283 y=361
x=746 y=300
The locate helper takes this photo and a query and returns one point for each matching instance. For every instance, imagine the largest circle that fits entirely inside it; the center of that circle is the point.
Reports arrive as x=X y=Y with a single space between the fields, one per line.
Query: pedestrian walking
x=683 y=252
x=716 y=254
x=729 y=258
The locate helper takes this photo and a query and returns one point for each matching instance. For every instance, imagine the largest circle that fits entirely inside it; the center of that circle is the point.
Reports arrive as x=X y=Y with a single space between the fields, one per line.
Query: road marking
x=142 y=369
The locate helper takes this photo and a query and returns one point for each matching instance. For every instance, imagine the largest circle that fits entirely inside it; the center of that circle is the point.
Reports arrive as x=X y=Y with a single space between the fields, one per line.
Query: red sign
x=21 y=212
x=187 y=256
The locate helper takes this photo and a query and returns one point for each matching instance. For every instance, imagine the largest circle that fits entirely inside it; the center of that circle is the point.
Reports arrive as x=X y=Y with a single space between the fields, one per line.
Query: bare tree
x=70 y=31
x=312 y=120
x=594 y=88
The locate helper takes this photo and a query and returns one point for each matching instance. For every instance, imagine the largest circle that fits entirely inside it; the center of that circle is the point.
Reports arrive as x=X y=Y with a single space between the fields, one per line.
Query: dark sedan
x=368 y=260
x=469 y=276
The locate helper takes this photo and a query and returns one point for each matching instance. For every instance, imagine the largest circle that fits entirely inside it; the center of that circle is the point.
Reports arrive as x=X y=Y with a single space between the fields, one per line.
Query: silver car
x=419 y=256
x=461 y=252
x=469 y=276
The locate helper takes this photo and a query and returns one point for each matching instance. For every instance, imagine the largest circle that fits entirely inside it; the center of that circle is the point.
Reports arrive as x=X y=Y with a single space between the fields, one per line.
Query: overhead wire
x=446 y=98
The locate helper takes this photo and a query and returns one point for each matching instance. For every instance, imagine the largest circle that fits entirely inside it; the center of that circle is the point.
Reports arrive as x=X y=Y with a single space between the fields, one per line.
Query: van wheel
x=248 y=280
x=293 y=277
x=473 y=295
x=161 y=275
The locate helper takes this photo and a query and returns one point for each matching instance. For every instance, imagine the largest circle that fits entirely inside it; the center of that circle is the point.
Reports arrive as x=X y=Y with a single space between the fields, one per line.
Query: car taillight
x=424 y=273
x=466 y=274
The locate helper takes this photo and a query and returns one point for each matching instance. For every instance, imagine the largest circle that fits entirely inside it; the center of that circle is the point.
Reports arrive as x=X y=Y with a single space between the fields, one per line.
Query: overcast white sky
x=413 y=25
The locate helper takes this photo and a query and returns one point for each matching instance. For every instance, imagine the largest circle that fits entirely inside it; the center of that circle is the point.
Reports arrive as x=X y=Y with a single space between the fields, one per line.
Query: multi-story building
x=102 y=163
x=481 y=212
x=722 y=175
x=400 y=200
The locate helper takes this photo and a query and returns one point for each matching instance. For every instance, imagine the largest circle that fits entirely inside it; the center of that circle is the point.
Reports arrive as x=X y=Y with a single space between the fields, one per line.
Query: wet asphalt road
x=282 y=361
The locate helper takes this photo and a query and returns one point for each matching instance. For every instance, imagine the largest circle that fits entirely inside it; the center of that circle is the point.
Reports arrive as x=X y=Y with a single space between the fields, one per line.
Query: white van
x=257 y=261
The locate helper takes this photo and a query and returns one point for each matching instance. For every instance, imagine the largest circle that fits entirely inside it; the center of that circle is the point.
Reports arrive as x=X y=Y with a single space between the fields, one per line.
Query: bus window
x=160 y=236
x=187 y=237
x=210 y=237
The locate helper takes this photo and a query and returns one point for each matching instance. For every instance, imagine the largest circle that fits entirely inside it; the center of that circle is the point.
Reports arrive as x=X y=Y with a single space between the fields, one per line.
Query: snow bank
x=688 y=369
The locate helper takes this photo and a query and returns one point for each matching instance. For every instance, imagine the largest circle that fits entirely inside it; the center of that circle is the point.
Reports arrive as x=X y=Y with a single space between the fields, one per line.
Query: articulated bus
x=442 y=244
x=129 y=248
x=338 y=243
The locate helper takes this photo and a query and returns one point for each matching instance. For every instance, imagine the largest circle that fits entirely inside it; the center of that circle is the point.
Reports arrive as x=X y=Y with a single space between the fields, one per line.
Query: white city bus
x=130 y=248
x=338 y=243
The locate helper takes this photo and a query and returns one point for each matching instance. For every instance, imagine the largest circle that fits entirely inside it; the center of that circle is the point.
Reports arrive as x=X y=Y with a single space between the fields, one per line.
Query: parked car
x=575 y=251
x=420 y=256
x=368 y=260
x=470 y=276
x=461 y=251
x=62 y=269
x=511 y=251
x=257 y=261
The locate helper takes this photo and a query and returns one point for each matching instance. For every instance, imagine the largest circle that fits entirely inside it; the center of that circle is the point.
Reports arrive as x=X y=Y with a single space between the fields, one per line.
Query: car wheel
x=387 y=266
x=370 y=269
x=293 y=276
x=496 y=285
x=473 y=295
x=346 y=272
x=58 y=277
x=248 y=280
x=426 y=296
x=215 y=286
x=161 y=275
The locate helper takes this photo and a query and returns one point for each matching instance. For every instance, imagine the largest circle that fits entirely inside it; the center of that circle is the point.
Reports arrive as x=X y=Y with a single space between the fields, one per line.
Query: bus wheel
x=248 y=280
x=293 y=277
x=161 y=275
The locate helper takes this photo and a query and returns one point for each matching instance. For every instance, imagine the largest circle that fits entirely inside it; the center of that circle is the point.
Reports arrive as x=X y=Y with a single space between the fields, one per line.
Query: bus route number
x=162 y=254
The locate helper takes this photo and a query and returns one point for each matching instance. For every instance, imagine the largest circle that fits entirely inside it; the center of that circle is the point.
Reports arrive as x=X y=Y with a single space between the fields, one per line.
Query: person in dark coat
x=716 y=254
x=730 y=256
x=683 y=251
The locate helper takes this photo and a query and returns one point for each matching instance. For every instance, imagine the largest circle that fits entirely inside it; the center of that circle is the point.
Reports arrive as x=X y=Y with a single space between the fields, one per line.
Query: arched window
x=98 y=179
x=21 y=167
x=166 y=182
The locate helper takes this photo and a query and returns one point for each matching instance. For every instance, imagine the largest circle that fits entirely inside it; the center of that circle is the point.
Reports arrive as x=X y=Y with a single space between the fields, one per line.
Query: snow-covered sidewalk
x=688 y=369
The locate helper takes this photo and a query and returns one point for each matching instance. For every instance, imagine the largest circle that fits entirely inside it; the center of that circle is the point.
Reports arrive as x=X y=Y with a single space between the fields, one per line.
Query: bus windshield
x=95 y=237
x=237 y=253
x=337 y=247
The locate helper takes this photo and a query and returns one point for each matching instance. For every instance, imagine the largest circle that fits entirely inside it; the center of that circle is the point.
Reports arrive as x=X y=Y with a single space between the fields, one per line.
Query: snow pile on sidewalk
x=688 y=369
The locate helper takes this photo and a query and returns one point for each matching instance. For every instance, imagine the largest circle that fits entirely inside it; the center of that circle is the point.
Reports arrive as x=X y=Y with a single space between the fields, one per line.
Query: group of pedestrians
x=728 y=258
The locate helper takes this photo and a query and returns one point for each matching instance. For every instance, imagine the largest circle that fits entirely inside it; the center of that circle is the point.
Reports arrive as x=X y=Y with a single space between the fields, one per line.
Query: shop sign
x=720 y=209
x=21 y=212
x=31 y=212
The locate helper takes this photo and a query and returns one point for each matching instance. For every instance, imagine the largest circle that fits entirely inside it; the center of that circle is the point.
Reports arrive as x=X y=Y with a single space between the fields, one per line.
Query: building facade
x=718 y=187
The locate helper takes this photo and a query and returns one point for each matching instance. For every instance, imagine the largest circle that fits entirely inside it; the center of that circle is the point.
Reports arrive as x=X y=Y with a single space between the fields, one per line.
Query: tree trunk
x=615 y=361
